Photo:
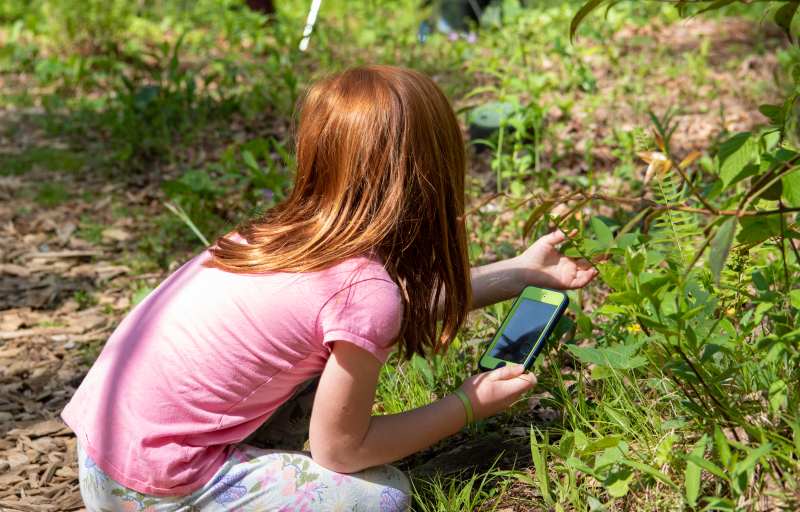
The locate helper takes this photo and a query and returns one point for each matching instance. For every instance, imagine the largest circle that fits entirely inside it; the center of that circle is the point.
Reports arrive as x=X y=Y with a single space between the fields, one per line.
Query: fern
x=675 y=233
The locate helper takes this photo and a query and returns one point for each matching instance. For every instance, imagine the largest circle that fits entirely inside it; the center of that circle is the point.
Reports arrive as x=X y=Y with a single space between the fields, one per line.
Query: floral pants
x=262 y=479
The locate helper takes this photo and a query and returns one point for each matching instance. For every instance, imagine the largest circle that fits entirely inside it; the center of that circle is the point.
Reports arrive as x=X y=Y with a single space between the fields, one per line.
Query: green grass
x=47 y=158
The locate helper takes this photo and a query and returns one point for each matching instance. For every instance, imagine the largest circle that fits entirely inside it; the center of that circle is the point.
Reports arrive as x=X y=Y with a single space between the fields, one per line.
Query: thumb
x=506 y=373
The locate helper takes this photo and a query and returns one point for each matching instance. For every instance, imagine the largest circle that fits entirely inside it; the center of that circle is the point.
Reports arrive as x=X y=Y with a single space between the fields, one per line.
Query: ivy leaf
x=601 y=231
x=635 y=260
x=733 y=155
x=721 y=247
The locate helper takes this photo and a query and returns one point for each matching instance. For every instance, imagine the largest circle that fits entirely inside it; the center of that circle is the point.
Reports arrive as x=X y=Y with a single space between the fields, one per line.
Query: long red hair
x=380 y=165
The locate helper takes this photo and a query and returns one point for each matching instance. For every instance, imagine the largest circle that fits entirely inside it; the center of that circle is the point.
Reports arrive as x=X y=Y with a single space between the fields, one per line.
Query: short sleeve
x=367 y=313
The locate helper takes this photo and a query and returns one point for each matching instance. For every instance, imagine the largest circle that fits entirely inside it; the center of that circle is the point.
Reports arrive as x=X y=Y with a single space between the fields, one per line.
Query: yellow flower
x=732 y=311
x=634 y=328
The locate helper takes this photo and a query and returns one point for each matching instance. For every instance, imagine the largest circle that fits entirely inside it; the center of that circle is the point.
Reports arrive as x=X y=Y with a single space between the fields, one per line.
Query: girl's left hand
x=544 y=265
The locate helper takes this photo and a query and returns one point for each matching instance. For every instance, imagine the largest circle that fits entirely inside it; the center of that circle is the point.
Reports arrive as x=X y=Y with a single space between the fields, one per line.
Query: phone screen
x=523 y=331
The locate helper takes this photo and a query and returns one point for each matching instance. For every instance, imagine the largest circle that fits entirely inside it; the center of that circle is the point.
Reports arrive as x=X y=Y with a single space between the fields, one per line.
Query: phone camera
x=544 y=296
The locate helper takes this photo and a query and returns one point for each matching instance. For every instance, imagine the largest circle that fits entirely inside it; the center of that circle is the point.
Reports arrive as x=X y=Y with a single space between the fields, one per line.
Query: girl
x=204 y=389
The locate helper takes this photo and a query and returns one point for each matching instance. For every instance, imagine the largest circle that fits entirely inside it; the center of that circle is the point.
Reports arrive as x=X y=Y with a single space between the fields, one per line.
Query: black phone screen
x=523 y=331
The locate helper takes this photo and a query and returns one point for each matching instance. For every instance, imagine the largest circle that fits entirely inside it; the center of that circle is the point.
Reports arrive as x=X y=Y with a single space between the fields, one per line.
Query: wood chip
x=50 y=472
x=14 y=270
x=38 y=430
x=59 y=254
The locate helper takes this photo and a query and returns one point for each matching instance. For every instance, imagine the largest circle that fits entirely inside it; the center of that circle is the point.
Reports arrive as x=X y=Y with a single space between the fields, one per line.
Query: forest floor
x=68 y=254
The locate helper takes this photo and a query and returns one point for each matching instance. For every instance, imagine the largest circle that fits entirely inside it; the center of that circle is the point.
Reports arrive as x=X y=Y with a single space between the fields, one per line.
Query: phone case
x=549 y=331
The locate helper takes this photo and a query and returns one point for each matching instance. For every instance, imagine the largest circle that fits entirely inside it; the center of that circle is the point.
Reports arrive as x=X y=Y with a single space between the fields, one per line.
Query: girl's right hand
x=497 y=390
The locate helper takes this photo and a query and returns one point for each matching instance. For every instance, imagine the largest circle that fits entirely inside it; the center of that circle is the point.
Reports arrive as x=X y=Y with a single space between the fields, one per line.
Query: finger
x=522 y=383
x=506 y=373
x=553 y=239
x=584 y=278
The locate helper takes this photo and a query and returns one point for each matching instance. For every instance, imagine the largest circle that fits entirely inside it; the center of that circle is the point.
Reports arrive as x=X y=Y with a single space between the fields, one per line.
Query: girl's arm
x=540 y=265
x=346 y=438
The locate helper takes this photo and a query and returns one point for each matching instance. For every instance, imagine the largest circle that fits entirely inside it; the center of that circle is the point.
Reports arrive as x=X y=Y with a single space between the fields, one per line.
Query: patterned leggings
x=262 y=479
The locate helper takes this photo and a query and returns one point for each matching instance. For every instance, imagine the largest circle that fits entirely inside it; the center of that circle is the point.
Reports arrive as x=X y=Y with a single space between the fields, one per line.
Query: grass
x=46 y=158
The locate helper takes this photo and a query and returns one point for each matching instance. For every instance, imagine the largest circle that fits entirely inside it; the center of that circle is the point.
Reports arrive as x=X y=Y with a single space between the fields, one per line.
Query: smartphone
x=525 y=328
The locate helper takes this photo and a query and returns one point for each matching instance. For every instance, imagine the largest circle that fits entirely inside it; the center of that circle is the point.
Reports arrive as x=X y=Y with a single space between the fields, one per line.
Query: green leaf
x=733 y=155
x=791 y=187
x=650 y=471
x=423 y=368
x=575 y=463
x=777 y=394
x=635 y=260
x=601 y=231
x=536 y=214
x=722 y=446
x=795 y=296
x=749 y=462
x=584 y=11
x=675 y=423
x=540 y=463
x=721 y=247
x=699 y=461
x=585 y=323
x=720 y=504
x=255 y=488
x=602 y=444
x=250 y=161
x=118 y=493
x=615 y=358
x=616 y=416
x=601 y=372
x=759 y=281
x=773 y=111
x=608 y=457
x=617 y=483
x=693 y=472
x=783 y=18
x=626 y=298
x=614 y=276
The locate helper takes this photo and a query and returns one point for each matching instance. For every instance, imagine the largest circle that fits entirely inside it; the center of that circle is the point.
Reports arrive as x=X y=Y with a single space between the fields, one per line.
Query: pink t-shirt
x=208 y=356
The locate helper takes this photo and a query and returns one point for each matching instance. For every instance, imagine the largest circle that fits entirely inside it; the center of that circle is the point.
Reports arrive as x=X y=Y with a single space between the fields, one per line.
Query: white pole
x=312 y=18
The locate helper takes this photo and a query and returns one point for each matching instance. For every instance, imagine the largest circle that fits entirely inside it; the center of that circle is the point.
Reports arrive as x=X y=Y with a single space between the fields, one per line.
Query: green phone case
x=545 y=295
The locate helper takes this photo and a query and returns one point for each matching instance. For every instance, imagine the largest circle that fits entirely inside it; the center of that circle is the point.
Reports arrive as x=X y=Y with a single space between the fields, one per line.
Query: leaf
x=689 y=159
x=607 y=357
x=650 y=471
x=601 y=231
x=584 y=11
x=777 y=394
x=614 y=276
x=795 y=296
x=772 y=111
x=616 y=416
x=733 y=155
x=702 y=463
x=534 y=217
x=608 y=457
x=576 y=463
x=118 y=493
x=721 y=445
x=626 y=298
x=585 y=323
x=617 y=483
x=791 y=187
x=255 y=488
x=783 y=18
x=602 y=444
x=720 y=504
x=540 y=463
x=721 y=247
x=423 y=368
x=635 y=260
x=601 y=372
x=694 y=472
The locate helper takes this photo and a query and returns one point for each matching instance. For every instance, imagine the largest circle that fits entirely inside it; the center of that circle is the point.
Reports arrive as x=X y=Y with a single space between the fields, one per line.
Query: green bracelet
x=467 y=405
